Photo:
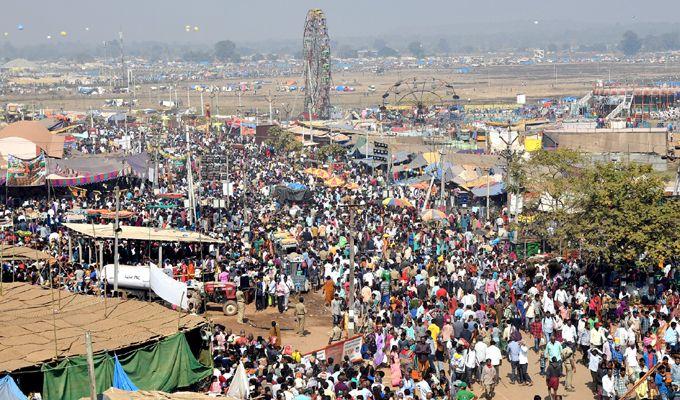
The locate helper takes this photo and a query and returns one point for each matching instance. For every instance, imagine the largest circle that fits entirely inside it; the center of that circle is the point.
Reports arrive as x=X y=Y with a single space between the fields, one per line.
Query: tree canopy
x=333 y=151
x=616 y=213
x=225 y=50
x=282 y=140
x=630 y=44
x=416 y=49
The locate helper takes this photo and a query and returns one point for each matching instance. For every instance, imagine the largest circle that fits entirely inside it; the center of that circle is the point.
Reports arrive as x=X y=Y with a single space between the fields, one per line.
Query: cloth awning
x=11 y=253
x=493 y=190
x=141 y=233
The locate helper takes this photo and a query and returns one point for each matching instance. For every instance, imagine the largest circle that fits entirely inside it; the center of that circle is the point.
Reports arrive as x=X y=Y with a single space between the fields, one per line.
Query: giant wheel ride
x=429 y=101
x=316 y=51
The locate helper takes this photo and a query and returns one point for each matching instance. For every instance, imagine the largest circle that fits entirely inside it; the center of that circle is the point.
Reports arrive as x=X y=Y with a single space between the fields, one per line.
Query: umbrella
x=352 y=186
x=334 y=181
x=433 y=215
x=122 y=214
x=310 y=171
x=322 y=174
x=431 y=157
x=171 y=195
x=397 y=202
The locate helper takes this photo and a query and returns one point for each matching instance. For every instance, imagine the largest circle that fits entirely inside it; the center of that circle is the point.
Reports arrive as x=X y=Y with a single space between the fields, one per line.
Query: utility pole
x=190 y=181
x=116 y=232
x=269 y=98
x=350 y=297
x=350 y=328
x=90 y=366
x=442 y=177
x=488 y=179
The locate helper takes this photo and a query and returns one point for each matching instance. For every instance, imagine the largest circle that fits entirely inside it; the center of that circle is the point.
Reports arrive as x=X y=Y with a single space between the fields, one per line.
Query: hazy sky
x=256 y=20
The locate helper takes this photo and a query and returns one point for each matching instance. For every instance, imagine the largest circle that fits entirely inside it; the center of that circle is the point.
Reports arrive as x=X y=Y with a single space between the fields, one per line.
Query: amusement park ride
x=317 y=66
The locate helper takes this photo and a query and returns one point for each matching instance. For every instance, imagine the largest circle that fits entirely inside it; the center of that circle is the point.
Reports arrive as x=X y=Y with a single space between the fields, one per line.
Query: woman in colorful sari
x=379 y=356
x=395 y=367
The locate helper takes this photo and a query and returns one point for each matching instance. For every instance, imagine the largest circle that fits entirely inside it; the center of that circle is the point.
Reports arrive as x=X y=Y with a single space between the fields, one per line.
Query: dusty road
x=318 y=326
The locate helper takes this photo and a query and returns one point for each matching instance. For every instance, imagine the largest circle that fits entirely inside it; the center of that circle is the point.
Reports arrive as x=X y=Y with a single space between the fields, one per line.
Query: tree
x=256 y=57
x=443 y=46
x=387 y=52
x=624 y=218
x=630 y=44
x=196 y=56
x=416 y=49
x=379 y=44
x=616 y=213
x=282 y=140
x=333 y=151
x=272 y=56
x=225 y=50
x=551 y=176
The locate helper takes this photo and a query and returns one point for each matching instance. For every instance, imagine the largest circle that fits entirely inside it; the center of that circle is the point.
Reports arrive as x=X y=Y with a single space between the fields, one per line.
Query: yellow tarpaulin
x=532 y=144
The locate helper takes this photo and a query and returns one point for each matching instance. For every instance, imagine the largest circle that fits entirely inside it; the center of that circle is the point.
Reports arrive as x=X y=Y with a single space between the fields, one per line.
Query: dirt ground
x=482 y=85
x=318 y=326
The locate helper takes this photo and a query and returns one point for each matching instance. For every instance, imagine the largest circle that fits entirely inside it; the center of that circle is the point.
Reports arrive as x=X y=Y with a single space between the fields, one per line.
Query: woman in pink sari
x=395 y=367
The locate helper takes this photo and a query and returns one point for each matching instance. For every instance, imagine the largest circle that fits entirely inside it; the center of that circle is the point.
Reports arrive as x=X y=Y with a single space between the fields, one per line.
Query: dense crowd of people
x=441 y=304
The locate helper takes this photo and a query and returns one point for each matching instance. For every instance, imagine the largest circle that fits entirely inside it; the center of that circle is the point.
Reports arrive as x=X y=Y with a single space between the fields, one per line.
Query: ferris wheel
x=316 y=52
x=421 y=93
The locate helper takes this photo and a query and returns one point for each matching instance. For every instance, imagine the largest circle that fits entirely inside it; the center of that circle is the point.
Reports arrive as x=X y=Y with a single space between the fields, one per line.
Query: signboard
x=338 y=350
x=26 y=172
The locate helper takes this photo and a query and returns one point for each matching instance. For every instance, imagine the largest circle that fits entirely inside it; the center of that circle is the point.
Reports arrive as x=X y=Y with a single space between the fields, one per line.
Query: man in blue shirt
x=553 y=349
x=660 y=382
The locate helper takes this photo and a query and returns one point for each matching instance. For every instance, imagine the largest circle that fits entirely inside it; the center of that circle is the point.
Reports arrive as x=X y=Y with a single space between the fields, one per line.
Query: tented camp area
x=136 y=345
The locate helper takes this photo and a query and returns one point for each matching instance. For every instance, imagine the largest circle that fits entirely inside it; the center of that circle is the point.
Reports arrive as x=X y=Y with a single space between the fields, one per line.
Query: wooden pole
x=179 y=312
x=115 y=243
x=639 y=382
x=90 y=366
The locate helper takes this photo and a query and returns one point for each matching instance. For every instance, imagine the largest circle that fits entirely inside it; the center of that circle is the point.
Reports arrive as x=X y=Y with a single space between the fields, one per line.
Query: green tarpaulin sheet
x=68 y=379
x=165 y=365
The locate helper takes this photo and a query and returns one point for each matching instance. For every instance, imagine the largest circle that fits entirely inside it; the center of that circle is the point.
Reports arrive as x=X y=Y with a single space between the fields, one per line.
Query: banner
x=168 y=289
x=337 y=351
x=26 y=172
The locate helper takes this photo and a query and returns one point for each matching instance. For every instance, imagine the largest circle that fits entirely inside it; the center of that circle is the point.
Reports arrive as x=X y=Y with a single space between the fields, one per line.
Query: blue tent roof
x=494 y=190
x=9 y=389
x=296 y=186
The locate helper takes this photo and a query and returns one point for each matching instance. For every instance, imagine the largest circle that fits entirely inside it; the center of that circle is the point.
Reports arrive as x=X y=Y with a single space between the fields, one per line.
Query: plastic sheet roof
x=141 y=233
x=27 y=334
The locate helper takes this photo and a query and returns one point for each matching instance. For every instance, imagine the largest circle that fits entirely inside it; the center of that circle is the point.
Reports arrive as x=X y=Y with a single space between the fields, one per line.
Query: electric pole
x=116 y=231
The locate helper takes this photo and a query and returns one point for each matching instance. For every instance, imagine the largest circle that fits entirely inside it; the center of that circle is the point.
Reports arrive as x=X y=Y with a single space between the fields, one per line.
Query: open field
x=481 y=85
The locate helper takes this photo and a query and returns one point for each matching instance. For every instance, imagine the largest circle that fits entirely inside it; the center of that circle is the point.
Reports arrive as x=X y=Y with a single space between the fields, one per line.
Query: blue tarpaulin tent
x=296 y=186
x=9 y=389
x=494 y=190
x=120 y=378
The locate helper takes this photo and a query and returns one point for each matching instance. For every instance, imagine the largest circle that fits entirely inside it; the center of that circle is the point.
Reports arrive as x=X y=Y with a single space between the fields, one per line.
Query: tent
x=493 y=190
x=120 y=378
x=9 y=389
x=285 y=193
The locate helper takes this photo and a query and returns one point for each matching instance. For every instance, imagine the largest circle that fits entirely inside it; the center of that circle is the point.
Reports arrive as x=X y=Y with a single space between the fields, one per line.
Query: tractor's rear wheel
x=230 y=308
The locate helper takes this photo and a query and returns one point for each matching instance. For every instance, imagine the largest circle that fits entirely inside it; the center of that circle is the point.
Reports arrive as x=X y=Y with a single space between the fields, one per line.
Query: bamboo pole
x=639 y=382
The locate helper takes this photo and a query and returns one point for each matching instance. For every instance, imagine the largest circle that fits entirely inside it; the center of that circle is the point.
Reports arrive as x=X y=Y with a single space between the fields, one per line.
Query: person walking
x=552 y=377
x=300 y=312
x=569 y=367
x=488 y=379
x=240 y=306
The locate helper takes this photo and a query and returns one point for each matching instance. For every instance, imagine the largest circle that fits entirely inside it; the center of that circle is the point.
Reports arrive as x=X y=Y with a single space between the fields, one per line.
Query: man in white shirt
x=608 y=391
x=569 y=334
x=494 y=354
